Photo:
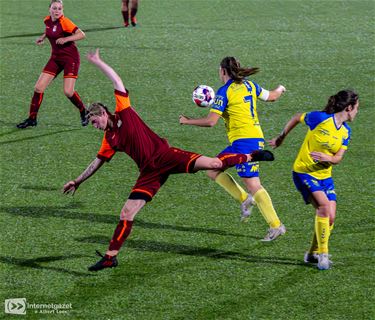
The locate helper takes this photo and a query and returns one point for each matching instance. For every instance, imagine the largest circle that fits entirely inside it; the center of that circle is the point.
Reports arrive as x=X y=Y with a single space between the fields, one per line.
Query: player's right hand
x=70 y=187
x=39 y=41
x=275 y=142
x=183 y=118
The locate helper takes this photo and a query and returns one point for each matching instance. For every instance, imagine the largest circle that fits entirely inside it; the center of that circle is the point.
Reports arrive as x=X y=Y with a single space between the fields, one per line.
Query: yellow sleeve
x=216 y=111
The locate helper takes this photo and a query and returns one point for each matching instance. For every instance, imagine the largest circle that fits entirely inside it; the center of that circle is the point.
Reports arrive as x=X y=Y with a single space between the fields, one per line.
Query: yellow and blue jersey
x=236 y=103
x=323 y=136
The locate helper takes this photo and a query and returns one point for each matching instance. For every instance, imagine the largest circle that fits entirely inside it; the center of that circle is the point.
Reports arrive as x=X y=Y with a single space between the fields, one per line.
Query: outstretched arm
x=111 y=74
x=72 y=186
x=209 y=121
x=276 y=93
x=276 y=142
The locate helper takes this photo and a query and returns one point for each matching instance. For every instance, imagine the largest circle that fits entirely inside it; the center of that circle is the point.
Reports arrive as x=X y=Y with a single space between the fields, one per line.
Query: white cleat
x=323 y=261
x=246 y=208
x=274 y=233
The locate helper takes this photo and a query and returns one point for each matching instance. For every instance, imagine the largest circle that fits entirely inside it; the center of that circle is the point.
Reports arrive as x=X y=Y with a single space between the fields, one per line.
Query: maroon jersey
x=131 y=135
x=63 y=27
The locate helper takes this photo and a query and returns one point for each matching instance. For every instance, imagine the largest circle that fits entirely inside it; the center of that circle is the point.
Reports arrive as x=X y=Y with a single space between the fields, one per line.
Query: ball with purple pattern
x=203 y=96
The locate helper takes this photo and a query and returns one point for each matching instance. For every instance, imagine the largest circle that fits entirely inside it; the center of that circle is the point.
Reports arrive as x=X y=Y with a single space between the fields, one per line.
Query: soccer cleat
x=105 y=262
x=246 y=208
x=262 y=155
x=310 y=257
x=313 y=258
x=274 y=233
x=133 y=21
x=84 y=118
x=126 y=24
x=323 y=261
x=27 y=123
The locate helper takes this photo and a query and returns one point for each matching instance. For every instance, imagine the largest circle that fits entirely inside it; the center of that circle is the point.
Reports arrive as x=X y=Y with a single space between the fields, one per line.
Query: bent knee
x=216 y=163
x=324 y=210
x=69 y=93
x=127 y=214
x=131 y=208
x=39 y=88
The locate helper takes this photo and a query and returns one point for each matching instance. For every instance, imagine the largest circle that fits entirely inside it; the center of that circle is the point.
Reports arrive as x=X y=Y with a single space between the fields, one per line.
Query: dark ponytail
x=233 y=68
x=340 y=101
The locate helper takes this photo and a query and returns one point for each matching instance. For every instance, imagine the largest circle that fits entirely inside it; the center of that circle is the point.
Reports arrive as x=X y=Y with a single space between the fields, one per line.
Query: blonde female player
x=325 y=143
x=62 y=34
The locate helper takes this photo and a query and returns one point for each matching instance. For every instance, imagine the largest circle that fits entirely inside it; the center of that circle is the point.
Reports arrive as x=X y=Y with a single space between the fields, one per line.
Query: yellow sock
x=314 y=242
x=265 y=206
x=230 y=185
x=322 y=233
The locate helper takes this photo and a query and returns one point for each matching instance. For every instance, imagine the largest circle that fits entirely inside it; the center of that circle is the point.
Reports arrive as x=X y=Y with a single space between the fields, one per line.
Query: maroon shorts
x=153 y=176
x=70 y=66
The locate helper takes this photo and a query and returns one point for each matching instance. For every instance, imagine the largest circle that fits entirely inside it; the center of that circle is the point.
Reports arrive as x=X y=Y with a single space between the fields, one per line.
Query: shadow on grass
x=188 y=250
x=36 y=263
x=9 y=132
x=39 y=188
x=151 y=225
x=26 y=35
x=36 y=136
x=66 y=213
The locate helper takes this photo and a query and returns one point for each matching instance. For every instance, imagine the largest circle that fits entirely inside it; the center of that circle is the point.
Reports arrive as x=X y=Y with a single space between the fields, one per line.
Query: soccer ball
x=203 y=96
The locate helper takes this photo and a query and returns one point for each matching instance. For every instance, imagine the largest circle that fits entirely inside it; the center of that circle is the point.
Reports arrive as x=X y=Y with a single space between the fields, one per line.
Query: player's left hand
x=61 y=40
x=320 y=156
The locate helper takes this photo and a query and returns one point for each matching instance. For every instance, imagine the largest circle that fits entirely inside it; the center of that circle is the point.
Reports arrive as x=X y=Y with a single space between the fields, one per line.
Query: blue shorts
x=307 y=184
x=247 y=169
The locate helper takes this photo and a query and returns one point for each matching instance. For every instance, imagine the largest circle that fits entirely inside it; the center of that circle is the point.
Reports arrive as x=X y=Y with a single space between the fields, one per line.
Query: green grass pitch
x=188 y=257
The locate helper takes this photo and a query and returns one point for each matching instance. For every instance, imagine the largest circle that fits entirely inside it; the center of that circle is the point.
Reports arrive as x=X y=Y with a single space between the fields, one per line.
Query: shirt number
x=250 y=100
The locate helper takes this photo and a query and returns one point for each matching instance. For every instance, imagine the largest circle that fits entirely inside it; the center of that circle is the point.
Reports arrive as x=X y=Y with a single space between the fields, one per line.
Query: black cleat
x=105 y=262
x=84 y=118
x=27 y=123
x=262 y=155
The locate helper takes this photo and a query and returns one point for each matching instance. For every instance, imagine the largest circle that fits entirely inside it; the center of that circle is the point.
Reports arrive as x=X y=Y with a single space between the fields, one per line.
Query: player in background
x=125 y=131
x=324 y=145
x=61 y=33
x=236 y=103
x=133 y=12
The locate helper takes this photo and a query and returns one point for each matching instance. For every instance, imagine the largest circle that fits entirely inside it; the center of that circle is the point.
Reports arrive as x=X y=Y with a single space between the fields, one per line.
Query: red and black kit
x=155 y=158
x=63 y=57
